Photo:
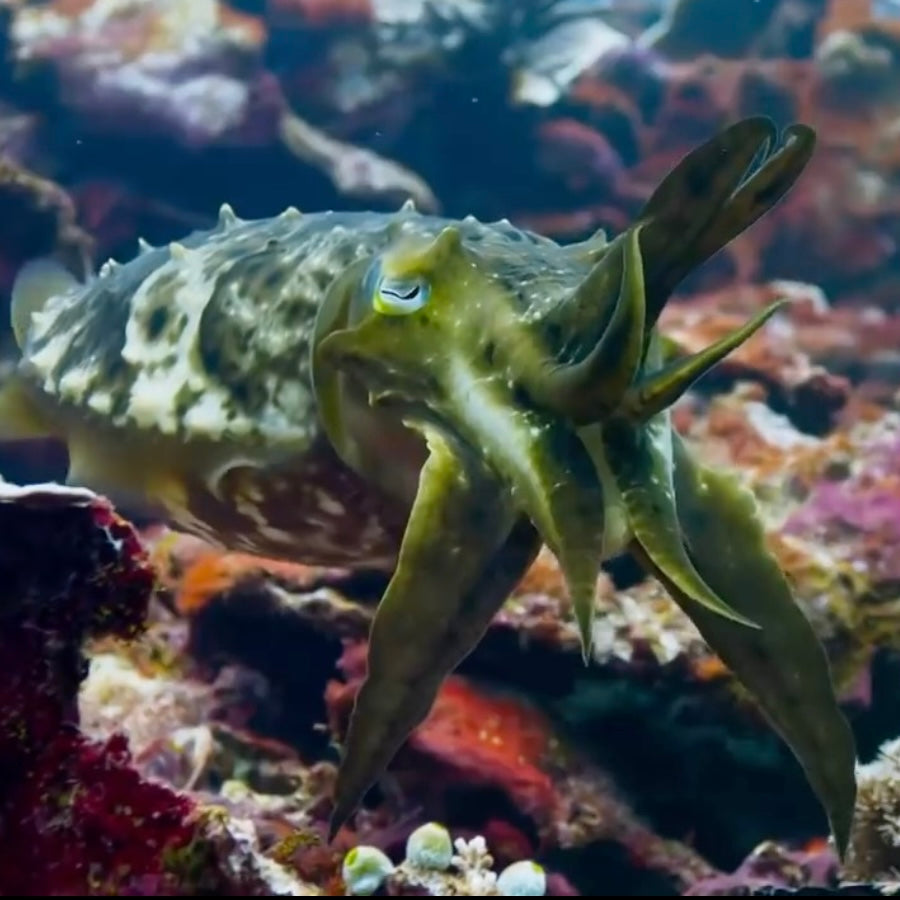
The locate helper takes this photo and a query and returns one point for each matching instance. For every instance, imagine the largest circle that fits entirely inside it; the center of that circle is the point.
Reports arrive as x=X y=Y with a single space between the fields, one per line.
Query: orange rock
x=214 y=573
x=479 y=739
x=844 y=15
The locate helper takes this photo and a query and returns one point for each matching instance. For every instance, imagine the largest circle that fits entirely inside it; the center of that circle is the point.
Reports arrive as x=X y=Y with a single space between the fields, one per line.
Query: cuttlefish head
x=438 y=339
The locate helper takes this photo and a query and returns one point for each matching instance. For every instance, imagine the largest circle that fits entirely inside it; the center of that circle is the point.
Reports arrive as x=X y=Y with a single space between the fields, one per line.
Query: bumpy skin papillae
x=587 y=458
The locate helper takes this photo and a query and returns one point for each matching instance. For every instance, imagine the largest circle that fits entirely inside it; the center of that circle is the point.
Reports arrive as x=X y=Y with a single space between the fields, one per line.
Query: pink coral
x=860 y=511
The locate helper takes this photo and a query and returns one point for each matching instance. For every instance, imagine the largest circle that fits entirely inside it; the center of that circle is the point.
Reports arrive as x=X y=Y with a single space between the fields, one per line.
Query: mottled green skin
x=201 y=360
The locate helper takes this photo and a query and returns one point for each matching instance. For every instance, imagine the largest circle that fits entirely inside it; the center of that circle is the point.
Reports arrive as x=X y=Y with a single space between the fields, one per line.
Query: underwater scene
x=449 y=447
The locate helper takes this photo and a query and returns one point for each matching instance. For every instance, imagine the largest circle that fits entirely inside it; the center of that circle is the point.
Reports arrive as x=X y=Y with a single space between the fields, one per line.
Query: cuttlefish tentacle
x=754 y=196
x=781 y=663
x=550 y=423
x=535 y=373
x=552 y=480
x=462 y=554
x=539 y=457
x=542 y=462
x=679 y=212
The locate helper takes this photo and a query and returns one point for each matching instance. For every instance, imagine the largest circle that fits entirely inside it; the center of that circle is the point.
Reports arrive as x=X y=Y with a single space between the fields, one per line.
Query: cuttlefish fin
x=20 y=416
x=640 y=463
x=36 y=282
x=782 y=663
x=659 y=390
x=463 y=552
x=135 y=479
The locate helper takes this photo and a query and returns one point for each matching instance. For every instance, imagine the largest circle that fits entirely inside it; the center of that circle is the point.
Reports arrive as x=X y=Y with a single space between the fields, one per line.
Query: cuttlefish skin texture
x=437 y=399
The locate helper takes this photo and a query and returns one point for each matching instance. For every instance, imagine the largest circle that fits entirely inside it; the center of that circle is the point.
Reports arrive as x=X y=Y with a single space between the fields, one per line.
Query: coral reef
x=169 y=712
x=875 y=848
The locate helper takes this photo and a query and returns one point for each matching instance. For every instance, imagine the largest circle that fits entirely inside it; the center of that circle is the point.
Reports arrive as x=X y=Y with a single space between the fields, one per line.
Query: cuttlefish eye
x=399 y=296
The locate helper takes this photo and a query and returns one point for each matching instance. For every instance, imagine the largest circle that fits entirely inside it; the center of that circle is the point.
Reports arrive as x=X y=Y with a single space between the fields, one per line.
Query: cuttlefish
x=438 y=399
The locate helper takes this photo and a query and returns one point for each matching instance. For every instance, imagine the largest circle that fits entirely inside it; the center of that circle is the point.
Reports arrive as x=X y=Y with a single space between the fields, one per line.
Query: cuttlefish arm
x=782 y=663
x=463 y=552
x=717 y=191
x=639 y=460
x=712 y=196
x=682 y=221
x=659 y=390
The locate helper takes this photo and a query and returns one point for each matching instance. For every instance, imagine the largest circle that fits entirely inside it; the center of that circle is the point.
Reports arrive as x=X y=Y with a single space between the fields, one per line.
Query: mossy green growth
x=191 y=864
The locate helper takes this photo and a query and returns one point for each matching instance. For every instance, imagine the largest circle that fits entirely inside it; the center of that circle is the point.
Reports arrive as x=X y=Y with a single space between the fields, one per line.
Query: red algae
x=84 y=822
x=76 y=815
x=77 y=818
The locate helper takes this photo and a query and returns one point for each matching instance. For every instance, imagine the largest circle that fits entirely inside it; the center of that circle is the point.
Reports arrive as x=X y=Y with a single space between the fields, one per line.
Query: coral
x=279 y=620
x=78 y=816
x=117 y=697
x=772 y=870
x=365 y=870
x=85 y=822
x=316 y=14
x=239 y=688
x=71 y=569
x=211 y=575
x=45 y=222
x=476 y=743
x=430 y=847
x=466 y=873
x=261 y=613
x=472 y=740
x=771 y=865
x=811 y=395
x=875 y=843
x=689 y=28
x=828 y=506
x=162 y=66
x=356 y=172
